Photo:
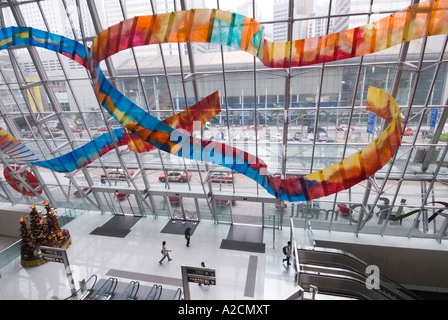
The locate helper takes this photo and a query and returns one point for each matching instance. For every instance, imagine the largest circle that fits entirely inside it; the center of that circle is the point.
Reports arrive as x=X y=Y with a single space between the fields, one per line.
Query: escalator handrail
x=391 y=286
x=178 y=292
x=88 y=291
x=342 y=272
x=160 y=293
x=106 y=290
x=130 y=292
x=155 y=288
x=359 y=292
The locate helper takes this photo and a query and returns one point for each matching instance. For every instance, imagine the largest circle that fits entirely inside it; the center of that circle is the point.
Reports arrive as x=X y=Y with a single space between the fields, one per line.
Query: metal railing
x=296 y=261
x=10 y=253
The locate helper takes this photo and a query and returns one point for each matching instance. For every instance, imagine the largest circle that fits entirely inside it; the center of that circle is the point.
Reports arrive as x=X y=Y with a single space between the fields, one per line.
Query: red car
x=344 y=209
x=344 y=127
x=278 y=206
x=176 y=176
x=252 y=127
x=102 y=129
x=76 y=130
x=408 y=132
x=121 y=196
x=174 y=200
x=222 y=202
x=78 y=194
x=222 y=177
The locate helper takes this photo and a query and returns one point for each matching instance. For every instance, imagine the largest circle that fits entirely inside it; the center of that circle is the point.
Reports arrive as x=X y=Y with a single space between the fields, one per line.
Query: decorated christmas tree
x=54 y=235
x=43 y=231
x=38 y=226
x=28 y=244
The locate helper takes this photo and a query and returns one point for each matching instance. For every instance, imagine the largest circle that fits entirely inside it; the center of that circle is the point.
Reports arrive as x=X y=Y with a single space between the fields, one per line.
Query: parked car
x=297 y=136
x=174 y=200
x=344 y=209
x=53 y=134
x=268 y=136
x=344 y=127
x=121 y=196
x=279 y=137
x=222 y=202
x=408 y=132
x=96 y=135
x=278 y=205
x=117 y=174
x=78 y=194
x=102 y=129
x=76 y=130
x=219 y=136
x=176 y=176
x=252 y=127
x=311 y=129
x=222 y=177
x=321 y=137
x=26 y=134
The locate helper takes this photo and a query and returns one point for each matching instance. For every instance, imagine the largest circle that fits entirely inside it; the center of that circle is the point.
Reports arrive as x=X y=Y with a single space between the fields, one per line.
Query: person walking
x=165 y=252
x=287 y=253
x=188 y=235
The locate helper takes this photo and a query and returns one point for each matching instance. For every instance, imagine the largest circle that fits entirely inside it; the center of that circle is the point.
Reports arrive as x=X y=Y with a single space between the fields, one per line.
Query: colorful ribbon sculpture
x=231 y=29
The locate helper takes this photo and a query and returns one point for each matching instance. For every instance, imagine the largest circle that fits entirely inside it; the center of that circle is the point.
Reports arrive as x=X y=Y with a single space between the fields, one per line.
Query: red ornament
x=18 y=185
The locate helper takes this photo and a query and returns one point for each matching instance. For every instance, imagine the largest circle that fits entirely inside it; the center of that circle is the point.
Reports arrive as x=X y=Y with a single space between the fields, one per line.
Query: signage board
x=51 y=251
x=371 y=123
x=433 y=117
x=201 y=280
x=201 y=272
x=52 y=259
x=198 y=275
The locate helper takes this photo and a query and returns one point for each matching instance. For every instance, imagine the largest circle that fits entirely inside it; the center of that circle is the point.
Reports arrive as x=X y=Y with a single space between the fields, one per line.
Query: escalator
x=106 y=291
x=85 y=290
x=340 y=273
x=154 y=293
x=131 y=290
x=177 y=295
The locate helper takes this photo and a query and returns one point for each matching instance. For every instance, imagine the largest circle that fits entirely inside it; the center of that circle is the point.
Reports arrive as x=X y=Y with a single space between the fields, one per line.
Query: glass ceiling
x=49 y=104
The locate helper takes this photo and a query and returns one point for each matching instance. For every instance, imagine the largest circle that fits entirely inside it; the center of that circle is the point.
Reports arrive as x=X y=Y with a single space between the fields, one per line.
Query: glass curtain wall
x=297 y=120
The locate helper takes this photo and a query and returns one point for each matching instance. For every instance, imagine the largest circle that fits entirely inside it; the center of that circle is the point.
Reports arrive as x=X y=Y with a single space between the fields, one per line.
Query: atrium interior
x=298 y=119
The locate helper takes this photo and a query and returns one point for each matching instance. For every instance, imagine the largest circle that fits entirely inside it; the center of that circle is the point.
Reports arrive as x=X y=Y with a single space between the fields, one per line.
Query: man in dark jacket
x=188 y=235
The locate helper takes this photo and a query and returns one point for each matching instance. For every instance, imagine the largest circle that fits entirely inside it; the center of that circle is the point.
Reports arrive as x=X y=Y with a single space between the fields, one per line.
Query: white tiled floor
x=139 y=252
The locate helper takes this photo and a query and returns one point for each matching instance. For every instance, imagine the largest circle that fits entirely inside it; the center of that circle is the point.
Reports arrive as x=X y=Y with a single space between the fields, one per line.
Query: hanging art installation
x=145 y=132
